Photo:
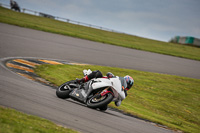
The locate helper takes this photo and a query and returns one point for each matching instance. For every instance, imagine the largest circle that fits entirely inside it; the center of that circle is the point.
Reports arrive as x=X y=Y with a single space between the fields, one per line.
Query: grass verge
x=124 y=40
x=165 y=99
x=12 y=121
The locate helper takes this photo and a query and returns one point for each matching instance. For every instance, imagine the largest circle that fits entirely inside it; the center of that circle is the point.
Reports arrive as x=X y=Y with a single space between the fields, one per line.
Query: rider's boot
x=83 y=80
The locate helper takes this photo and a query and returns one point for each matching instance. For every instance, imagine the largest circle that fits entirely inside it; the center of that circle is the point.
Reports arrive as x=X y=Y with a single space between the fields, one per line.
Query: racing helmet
x=129 y=81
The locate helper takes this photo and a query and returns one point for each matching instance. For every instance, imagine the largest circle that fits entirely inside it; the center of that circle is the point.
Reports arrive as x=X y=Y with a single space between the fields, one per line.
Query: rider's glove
x=110 y=75
x=126 y=94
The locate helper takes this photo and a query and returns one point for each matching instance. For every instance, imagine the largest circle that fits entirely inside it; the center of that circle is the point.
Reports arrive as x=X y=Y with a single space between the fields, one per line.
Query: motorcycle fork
x=106 y=91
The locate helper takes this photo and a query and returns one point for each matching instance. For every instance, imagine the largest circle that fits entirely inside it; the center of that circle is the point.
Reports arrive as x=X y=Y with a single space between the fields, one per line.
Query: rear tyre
x=63 y=90
x=96 y=102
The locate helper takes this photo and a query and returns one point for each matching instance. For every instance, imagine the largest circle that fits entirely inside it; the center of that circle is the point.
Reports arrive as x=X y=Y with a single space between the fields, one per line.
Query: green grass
x=124 y=40
x=165 y=99
x=12 y=121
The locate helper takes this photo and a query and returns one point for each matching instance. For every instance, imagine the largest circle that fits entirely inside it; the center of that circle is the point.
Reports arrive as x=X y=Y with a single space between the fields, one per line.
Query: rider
x=126 y=82
x=14 y=5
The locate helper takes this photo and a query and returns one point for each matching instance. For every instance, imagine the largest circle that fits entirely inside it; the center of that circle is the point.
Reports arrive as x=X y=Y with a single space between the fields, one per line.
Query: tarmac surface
x=37 y=99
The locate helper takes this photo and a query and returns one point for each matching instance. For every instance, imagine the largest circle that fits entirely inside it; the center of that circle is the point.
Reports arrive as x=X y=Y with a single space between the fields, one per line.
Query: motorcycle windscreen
x=118 y=87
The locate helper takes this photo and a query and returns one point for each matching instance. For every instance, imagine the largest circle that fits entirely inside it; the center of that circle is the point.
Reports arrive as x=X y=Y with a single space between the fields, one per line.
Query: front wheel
x=104 y=108
x=100 y=102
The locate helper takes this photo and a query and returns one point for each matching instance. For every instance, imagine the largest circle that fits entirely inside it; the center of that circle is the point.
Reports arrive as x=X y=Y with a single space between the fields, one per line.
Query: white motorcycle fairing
x=114 y=83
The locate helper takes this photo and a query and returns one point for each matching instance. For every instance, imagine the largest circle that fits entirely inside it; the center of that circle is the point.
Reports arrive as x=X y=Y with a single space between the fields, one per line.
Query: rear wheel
x=100 y=102
x=64 y=90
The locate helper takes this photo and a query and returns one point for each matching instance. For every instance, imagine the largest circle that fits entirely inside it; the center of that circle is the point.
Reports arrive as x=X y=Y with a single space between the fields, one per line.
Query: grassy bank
x=169 y=100
x=12 y=121
x=50 y=25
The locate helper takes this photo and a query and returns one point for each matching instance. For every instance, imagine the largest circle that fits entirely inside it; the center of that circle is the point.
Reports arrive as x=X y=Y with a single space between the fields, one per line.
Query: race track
x=34 y=98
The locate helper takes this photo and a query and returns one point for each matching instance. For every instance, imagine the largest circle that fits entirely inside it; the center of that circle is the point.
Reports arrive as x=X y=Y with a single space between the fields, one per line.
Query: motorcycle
x=96 y=93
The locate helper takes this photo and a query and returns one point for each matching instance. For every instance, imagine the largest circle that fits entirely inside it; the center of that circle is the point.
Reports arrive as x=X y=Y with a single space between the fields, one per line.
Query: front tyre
x=100 y=102
x=104 y=108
